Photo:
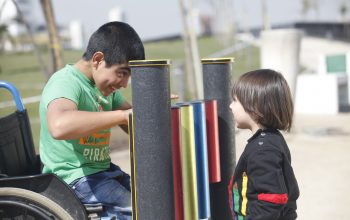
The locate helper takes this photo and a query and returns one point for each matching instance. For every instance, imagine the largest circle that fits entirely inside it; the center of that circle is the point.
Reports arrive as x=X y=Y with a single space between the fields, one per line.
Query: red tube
x=211 y=115
x=176 y=156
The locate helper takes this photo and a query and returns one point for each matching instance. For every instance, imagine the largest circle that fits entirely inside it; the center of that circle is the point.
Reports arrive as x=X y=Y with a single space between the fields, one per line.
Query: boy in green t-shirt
x=79 y=105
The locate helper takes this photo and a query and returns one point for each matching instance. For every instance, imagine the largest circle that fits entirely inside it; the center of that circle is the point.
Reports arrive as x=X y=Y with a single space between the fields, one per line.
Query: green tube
x=188 y=163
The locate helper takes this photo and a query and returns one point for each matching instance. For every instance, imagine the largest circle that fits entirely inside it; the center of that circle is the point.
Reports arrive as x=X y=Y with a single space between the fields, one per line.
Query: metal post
x=217 y=85
x=153 y=178
x=200 y=133
x=188 y=163
x=211 y=115
x=177 y=173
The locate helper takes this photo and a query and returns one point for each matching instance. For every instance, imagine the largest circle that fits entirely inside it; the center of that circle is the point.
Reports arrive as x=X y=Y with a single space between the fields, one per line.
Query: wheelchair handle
x=15 y=94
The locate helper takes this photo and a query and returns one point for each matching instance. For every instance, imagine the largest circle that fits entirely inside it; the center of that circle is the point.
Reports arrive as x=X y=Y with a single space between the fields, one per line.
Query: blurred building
x=76 y=35
x=331 y=30
x=116 y=14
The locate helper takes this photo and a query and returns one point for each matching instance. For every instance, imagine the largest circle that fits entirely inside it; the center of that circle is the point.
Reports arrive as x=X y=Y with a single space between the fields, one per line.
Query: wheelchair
x=25 y=193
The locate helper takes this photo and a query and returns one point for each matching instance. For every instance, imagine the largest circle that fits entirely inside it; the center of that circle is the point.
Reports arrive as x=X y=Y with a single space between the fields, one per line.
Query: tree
x=223 y=21
x=4 y=34
x=265 y=17
x=192 y=63
x=308 y=5
x=54 y=41
x=343 y=9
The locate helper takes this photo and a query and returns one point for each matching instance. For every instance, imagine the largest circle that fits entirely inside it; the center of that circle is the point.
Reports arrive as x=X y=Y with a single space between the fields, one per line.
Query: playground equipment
x=151 y=152
x=217 y=86
x=182 y=157
x=157 y=194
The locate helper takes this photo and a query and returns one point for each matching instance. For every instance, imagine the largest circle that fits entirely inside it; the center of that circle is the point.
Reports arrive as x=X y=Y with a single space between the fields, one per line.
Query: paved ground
x=320 y=147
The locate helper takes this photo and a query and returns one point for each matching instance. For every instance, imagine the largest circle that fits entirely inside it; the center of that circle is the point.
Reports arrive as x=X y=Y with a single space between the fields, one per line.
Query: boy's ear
x=97 y=58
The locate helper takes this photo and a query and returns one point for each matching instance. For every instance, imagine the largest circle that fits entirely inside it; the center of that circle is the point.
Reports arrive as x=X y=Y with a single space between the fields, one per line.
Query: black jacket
x=263 y=186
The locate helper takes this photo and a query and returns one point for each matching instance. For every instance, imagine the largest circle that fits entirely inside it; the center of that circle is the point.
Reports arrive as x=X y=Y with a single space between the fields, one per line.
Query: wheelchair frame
x=24 y=191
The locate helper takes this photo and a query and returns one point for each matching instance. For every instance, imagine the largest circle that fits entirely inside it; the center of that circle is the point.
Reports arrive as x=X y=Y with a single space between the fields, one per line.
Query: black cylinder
x=152 y=140
x=217 y=85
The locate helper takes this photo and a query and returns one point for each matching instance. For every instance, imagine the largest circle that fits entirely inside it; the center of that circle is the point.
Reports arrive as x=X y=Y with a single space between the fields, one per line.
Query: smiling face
x=109 y=78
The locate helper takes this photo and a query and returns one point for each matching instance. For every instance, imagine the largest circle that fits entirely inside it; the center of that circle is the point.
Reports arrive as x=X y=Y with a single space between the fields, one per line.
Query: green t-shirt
x=72 y=159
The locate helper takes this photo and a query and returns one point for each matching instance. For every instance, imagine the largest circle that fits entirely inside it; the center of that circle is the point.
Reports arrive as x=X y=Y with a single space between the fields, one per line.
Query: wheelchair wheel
x=21 y=204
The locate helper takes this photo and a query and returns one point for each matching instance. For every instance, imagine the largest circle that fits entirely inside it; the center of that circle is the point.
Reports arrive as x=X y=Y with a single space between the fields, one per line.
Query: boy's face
x=109 y=79
x=242 y=118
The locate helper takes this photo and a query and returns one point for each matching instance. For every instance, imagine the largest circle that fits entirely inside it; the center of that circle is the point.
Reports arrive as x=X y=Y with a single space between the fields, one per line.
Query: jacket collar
x=267 y=130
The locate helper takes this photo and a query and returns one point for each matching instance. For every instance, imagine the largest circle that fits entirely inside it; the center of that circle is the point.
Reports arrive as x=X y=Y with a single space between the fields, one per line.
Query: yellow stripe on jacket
x=244 y=193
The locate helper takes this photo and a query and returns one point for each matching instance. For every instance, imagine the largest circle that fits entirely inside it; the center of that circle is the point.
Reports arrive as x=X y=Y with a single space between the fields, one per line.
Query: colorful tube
x=217 y=85
x=188 y=163
x=177 y=174
x=211 y=115
x=152 y=139
x=200 y=133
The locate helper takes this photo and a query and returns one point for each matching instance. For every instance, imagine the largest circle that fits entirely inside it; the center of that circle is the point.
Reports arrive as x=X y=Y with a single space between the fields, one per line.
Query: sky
x=157 y=18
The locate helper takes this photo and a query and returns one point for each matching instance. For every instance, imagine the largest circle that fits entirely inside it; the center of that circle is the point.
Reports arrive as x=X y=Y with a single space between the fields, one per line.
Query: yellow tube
x=188 y=163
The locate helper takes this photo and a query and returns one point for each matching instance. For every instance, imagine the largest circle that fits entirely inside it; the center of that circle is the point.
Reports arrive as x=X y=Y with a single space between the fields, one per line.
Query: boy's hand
x=126 y=115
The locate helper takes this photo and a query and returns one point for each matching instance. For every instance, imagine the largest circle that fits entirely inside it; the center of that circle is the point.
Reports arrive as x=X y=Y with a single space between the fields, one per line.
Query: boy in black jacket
x=263 y=186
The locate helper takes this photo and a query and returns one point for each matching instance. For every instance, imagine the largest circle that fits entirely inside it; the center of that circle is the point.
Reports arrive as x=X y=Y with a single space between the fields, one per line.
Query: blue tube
x=15 y=94
x=201 y=159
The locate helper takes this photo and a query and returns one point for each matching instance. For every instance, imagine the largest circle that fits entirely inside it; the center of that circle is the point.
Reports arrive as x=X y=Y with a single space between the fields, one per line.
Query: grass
x=22 y=70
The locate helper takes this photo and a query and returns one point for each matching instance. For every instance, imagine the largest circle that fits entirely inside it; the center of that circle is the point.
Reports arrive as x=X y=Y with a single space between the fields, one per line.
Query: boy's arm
x=66 y=122
x=269 y=188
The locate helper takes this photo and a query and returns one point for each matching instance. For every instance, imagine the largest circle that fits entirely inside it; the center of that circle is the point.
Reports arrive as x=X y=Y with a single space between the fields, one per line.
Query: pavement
x=319 y=145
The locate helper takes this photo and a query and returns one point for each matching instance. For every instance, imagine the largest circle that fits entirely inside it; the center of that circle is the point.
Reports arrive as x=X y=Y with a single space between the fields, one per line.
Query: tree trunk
x=55 y=45
x=265 y=16
x=192 y=62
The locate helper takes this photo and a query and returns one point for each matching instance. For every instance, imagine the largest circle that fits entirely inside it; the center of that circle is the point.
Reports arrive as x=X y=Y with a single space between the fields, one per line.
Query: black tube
x=152 y=139
x=217 y=85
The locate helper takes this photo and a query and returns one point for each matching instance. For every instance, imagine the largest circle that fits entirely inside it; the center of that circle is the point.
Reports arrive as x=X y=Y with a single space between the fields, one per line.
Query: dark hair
x=118 y=41
x=266 y=97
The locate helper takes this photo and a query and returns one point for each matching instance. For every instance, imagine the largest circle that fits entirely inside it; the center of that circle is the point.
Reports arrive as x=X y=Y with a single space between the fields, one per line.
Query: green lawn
x=23 y=71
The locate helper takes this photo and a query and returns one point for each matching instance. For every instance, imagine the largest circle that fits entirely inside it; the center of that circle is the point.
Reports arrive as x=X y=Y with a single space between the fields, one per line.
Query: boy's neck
x=84 y=67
